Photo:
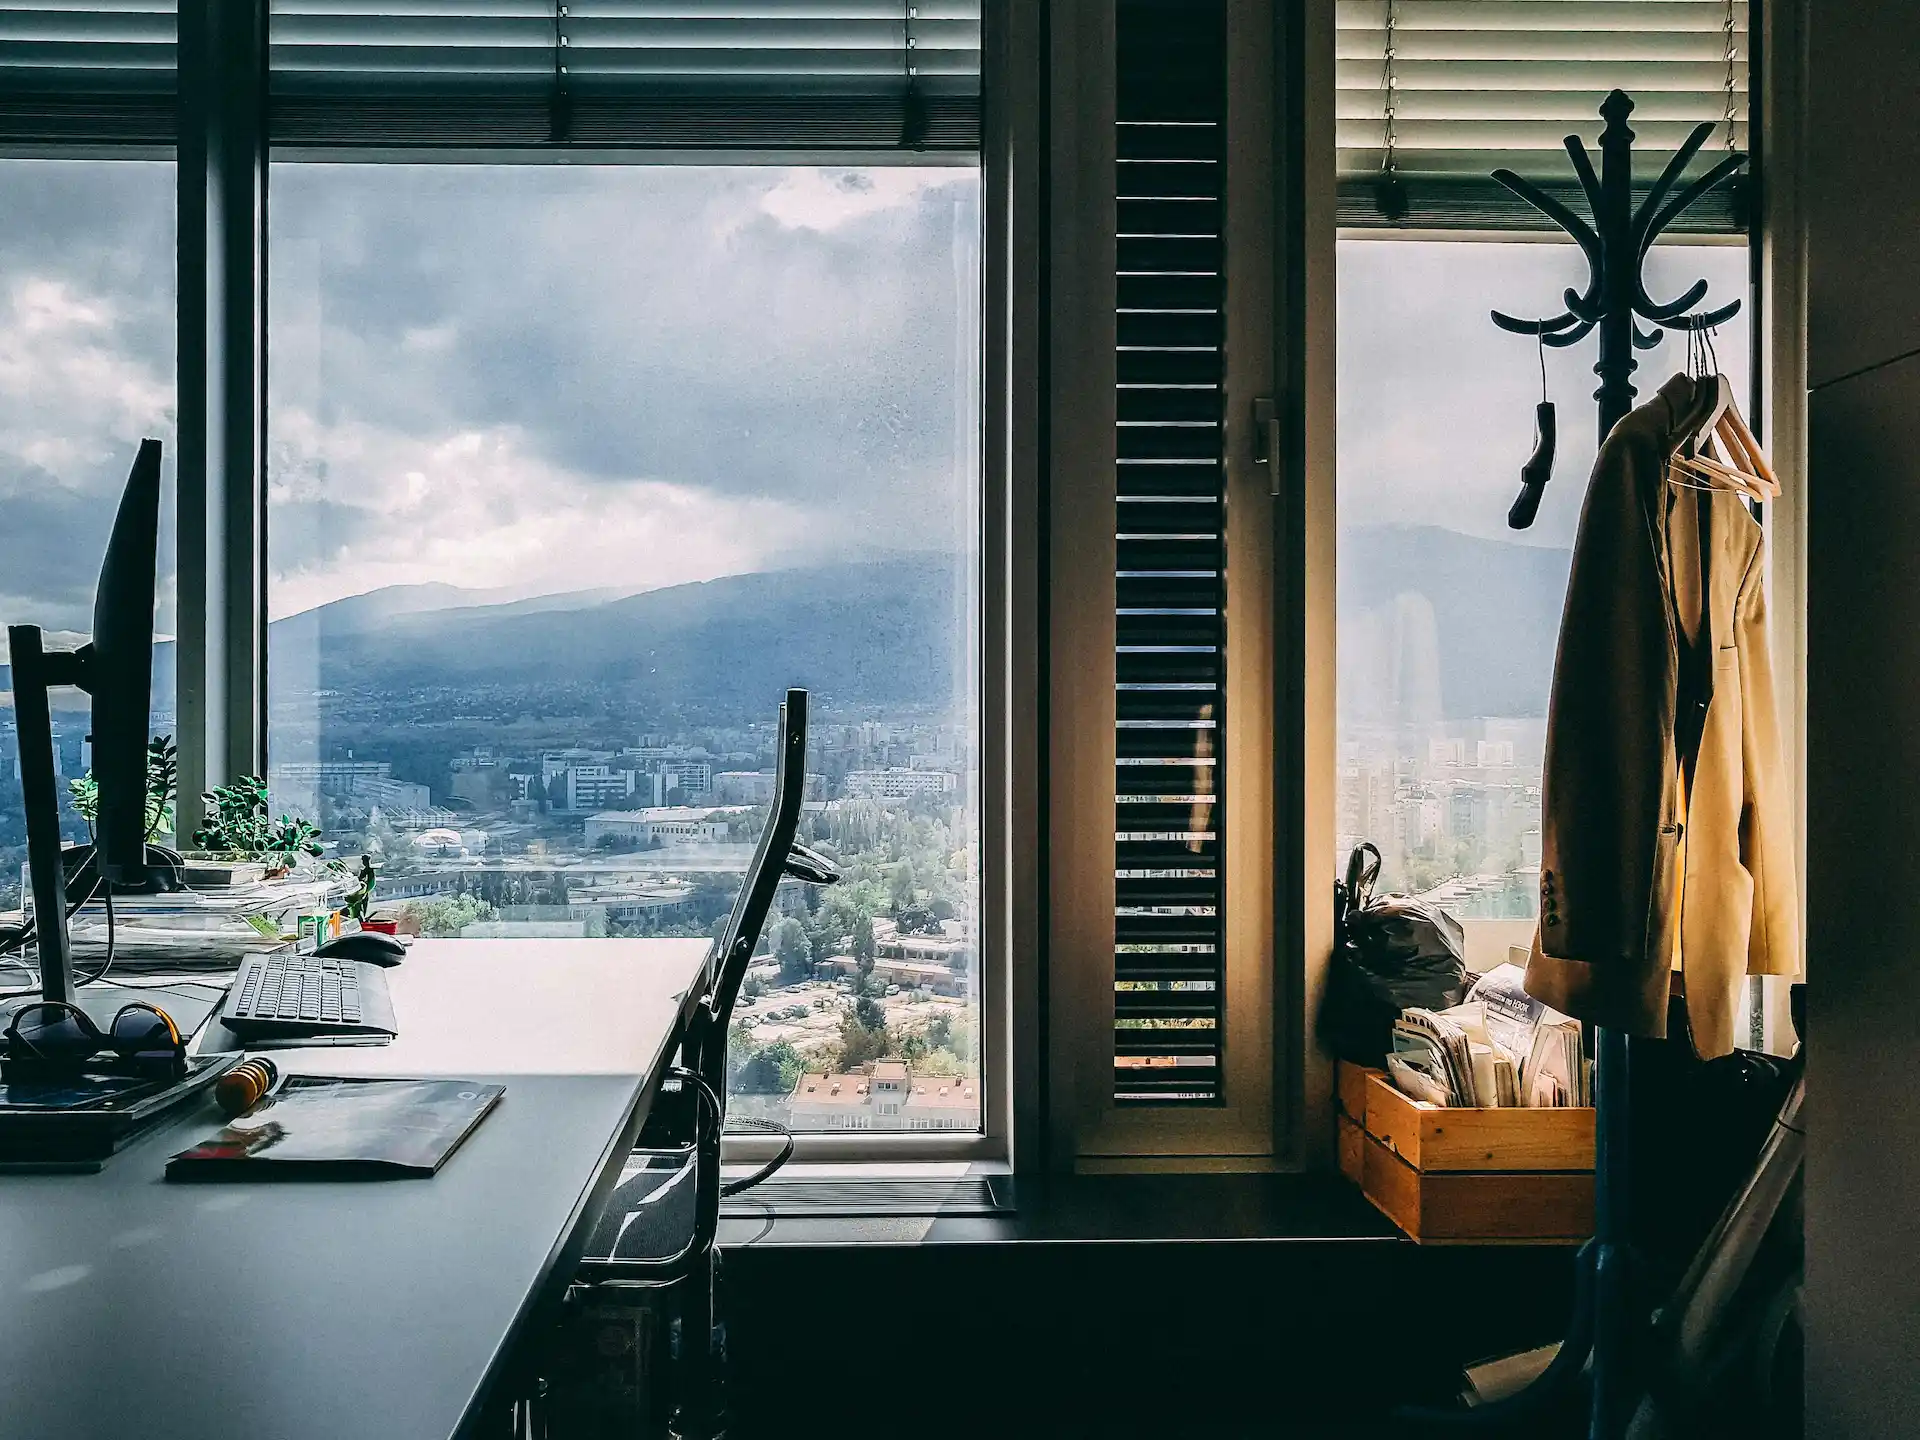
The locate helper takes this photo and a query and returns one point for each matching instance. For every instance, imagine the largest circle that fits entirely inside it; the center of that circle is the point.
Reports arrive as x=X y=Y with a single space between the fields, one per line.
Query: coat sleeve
x=1766 y=819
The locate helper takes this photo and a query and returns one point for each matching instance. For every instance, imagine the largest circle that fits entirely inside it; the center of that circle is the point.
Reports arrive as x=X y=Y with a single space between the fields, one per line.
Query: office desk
x=330 y=1309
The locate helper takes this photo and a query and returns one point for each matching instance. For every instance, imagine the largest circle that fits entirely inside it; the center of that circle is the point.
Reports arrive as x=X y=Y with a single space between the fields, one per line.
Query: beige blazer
x=1666 y=827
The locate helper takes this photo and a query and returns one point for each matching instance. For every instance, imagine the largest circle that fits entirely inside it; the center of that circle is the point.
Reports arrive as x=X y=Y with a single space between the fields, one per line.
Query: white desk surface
x=373 y=1309
x=535 y=1007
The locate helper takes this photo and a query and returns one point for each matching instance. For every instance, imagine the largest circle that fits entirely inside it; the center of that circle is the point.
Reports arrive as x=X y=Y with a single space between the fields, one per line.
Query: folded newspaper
x=1498 y=1047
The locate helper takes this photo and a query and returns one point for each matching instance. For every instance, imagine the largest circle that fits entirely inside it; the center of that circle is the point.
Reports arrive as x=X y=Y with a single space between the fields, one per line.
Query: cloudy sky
x=527 y=379
x=86 y=369
x=536 y=379
x=1437 y=406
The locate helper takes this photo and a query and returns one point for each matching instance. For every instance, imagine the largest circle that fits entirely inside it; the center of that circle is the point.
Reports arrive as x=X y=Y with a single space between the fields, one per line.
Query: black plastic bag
x=1388 y=955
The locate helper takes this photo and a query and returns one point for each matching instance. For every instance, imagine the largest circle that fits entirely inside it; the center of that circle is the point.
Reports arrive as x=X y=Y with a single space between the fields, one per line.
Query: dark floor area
x=1298 y=1331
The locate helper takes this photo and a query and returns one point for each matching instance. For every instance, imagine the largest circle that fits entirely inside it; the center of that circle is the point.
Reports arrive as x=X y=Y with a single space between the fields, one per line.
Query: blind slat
x=1169 y=586
x=766 y=74
x=87 y=74
x=760 y=74
x=1478 y=85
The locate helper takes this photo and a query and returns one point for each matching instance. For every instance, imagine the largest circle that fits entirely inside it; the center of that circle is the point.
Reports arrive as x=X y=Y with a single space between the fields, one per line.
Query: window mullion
x=222 y=374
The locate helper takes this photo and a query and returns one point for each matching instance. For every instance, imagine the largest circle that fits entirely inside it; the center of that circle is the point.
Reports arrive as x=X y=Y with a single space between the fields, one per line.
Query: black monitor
x=116 y=669
x=120 y=676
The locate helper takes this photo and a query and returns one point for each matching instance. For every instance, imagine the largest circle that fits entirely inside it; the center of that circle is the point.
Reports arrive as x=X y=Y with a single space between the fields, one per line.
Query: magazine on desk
x=316 y=1127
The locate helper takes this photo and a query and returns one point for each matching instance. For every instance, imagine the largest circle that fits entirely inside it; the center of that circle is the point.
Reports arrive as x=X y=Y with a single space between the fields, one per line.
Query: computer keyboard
x=290 y=994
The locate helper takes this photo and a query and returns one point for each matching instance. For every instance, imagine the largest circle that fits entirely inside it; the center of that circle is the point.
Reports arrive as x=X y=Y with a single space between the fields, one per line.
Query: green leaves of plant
x=238 y=823
x=163 y=783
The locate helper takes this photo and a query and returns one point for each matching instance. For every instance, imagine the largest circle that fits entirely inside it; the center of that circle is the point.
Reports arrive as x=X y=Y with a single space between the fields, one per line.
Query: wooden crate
x=1435 y=1137
x=1353 y=1150
x=1489 y=1176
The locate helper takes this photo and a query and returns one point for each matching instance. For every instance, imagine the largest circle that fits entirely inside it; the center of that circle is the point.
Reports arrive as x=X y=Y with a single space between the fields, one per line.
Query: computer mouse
x=368 y=945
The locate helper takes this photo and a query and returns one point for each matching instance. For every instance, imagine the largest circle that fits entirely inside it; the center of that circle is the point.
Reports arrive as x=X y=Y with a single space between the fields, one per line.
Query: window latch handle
x=1267 y=449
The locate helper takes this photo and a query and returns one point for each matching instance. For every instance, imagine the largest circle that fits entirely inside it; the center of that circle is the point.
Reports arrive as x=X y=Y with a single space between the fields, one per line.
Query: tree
x=863 y=940
x=793 y=950
x=917 y=920
x=448 y=915
x=774 y=1070
x=868 y=1012
x=859 y=1043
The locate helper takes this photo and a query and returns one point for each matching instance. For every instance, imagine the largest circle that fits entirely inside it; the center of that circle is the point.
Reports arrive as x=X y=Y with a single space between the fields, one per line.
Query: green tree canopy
x=793 y=950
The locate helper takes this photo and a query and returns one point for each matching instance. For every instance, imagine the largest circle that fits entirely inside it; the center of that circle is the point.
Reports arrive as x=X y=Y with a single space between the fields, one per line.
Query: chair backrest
x=774 y=857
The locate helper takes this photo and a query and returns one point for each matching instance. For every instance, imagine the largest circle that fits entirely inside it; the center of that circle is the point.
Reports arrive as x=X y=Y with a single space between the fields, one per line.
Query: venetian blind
x=1170 y=578
x=674 y=74
x=772 y=75
x=75 y=74
x=1448 y=90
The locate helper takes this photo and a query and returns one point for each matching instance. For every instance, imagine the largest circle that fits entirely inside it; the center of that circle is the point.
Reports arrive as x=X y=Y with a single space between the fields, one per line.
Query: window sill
x=1111 y=1209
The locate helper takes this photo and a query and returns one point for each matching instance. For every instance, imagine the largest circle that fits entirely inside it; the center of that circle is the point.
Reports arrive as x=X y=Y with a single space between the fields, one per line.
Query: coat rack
x=1609 y=1318
x=1616 y=246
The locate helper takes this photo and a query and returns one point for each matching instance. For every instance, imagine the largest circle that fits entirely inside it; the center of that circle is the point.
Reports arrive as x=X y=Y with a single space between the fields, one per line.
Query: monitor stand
x=35 y=671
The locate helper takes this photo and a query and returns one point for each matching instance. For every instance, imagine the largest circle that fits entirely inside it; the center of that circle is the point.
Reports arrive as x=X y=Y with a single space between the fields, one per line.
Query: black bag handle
x=1363 y=869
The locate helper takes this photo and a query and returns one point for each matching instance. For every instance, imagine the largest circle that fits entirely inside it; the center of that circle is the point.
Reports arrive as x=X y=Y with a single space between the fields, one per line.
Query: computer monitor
x=120 y=677
x=116 y=669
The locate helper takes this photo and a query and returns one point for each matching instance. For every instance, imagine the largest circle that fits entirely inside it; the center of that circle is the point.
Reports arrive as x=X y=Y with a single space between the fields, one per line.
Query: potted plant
x=163 y=783
x=239 y=826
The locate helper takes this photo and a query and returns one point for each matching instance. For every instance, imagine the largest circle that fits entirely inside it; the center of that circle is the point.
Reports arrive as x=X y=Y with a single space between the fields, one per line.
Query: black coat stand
x=1610 y=1316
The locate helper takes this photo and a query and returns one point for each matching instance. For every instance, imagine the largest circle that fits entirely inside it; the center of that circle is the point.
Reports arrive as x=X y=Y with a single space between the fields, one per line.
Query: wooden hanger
x=1723 y=453
x=1703 y=472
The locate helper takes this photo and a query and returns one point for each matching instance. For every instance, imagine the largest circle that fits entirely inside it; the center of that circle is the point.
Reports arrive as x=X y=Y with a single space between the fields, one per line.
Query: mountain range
x=1451 y=624
x=867 y=634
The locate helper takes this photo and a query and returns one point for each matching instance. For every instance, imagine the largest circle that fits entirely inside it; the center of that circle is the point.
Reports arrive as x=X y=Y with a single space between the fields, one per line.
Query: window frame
x=1088 y=1132
x=1032 y=969
x=1775 y=239
x=1303 y=556
x=222 y=157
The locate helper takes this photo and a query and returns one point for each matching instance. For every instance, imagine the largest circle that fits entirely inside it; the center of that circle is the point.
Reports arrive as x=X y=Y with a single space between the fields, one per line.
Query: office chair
x=659 y=1228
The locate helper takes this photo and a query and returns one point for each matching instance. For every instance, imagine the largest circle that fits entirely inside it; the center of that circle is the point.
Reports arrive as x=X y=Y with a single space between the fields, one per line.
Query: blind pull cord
x=1389 y=190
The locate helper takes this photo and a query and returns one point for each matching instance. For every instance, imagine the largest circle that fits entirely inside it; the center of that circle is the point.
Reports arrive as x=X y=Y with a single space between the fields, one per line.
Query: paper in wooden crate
x=1438 y=1137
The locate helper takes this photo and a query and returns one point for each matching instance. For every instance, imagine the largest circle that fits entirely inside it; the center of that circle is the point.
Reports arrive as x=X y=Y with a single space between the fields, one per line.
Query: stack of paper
x=1439 y=1049
x=1555 y=1072
x=211 y=929
x=1500 y=1047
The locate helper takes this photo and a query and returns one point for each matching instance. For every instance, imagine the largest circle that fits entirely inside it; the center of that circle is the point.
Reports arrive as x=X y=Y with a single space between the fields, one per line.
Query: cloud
x=790 y=355
x=86 y=368
x=1436 y=405
x=567 y=376
x=518 y=377
x=358 y=507
x=825 y=199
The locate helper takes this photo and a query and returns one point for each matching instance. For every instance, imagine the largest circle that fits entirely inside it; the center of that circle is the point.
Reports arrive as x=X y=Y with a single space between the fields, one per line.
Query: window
x=572 y=469
x=1447 y=619
x=87 y=338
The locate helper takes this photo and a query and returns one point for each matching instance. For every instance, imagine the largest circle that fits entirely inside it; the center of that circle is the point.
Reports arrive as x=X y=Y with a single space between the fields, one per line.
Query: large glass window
x=572 y=470
x=1448 y=620
x=87 y=337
